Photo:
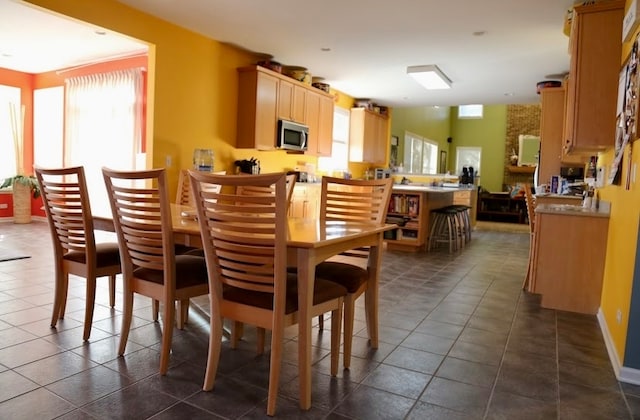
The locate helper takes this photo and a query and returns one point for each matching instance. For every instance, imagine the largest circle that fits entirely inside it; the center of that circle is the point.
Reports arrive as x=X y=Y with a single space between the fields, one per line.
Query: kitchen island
x=570 y=247
x=413 y=203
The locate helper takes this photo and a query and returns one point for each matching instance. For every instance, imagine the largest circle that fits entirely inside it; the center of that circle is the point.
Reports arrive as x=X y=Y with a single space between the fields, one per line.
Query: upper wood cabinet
x=368 y=135
x=257 y=110
x=292 y=102
x=265 y=96
x=319 y=118
x=551 y=128
x=592 y=86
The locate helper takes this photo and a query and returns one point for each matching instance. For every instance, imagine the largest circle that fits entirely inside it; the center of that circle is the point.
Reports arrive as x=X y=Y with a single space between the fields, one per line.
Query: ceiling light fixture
x=430 y=76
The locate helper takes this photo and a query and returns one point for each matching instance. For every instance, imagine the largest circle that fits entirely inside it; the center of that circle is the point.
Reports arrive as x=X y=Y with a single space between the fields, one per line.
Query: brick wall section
x=521 y=119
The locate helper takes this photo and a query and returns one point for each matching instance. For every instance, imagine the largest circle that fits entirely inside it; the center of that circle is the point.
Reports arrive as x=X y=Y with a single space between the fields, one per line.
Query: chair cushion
x=190 y=271
x=107 y=253
x=349 y=275
x=198 y=252
x=324 y=290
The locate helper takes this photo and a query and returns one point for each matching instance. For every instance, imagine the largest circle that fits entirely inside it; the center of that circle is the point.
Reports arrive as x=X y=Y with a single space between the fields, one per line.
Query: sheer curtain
x=103 y=127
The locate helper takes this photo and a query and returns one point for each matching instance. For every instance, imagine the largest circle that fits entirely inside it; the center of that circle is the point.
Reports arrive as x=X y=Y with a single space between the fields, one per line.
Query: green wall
x=438 y=123
x=488 y=132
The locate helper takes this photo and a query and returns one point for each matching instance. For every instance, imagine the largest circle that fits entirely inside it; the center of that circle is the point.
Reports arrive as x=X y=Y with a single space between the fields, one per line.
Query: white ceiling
x=371 y=43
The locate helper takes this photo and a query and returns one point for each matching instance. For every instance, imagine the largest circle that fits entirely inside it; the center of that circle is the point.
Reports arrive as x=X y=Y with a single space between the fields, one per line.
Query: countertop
x=428 y=188
x=567 y=196
x=575 y=210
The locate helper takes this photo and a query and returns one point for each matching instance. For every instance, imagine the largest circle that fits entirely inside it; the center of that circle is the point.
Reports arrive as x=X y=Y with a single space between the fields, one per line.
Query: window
x=469 y=157
x=470 y=111
x=9 y=100
x=48 y=133
x=420 y=155
x=339 y=160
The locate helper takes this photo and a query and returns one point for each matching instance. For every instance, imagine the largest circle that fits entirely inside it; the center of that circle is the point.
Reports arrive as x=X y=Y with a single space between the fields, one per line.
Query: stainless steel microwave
x=292 y=136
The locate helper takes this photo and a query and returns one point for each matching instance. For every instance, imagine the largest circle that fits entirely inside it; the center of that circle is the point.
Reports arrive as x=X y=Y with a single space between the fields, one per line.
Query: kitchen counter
x=570 y=247
x=428 y=188
x=603 y=210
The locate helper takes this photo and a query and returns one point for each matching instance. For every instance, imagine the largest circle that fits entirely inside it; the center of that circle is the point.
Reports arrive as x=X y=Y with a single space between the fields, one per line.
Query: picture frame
x=442 y=168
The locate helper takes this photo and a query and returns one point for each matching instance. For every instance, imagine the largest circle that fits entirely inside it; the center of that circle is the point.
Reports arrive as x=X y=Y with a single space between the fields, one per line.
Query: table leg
x=371 y=294
x=306 y=277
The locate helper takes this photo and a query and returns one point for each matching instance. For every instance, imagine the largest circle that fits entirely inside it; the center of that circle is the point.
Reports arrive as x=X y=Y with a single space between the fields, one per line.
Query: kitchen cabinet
x=265 y=96
x=414 y=206
x=292 y=102
x=568 y=273
x=592 y=85
x=305 y=201
x=319 y=109
x=368 y=136
x=551 y=129
x=257 y=110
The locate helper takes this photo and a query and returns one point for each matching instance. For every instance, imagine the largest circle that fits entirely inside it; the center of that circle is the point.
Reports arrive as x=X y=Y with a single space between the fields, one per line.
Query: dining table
x=309 y=242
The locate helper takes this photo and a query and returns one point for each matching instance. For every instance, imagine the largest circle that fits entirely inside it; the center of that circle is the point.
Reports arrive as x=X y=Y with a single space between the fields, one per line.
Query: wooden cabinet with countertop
x=368 y=134
x=592 y=85
x=571 y=244
x=305 y=201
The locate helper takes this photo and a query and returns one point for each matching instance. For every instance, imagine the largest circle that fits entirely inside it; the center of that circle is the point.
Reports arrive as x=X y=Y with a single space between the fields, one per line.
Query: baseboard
x=623 y=374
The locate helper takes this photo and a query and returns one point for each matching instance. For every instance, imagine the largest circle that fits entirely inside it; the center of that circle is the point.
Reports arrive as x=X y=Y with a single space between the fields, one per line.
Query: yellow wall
x=193 y=88
x=621 y=244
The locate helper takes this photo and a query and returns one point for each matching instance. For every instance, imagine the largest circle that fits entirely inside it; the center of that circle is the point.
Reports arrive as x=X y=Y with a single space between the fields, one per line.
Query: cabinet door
x=368 y=137
x=312 y=117
x=325 y=126
x=285 y=100
x=291 y=102
x=257 y=110
x=593 y=80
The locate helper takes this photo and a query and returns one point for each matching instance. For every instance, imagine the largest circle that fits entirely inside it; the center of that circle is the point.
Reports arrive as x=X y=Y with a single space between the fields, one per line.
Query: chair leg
x=349 y=314
x=321 y=322
x=58 y=297
x=89 y=304
x=215 y=345
x=64 y=290
x=260 y=335
x=167 y=335
x=336 y=323
x=182 y=314
x=127 y=315
x=112 y=291
x=275 y=362
x=236 y=333
x=155 y=308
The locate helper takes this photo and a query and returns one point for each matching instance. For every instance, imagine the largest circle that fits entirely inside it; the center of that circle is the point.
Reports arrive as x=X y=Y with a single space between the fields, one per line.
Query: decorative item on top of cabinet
x=592 y=85
x=368 y=136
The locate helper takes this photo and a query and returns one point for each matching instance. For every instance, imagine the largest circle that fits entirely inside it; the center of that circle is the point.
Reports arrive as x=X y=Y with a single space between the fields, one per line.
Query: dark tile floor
x=459 y=340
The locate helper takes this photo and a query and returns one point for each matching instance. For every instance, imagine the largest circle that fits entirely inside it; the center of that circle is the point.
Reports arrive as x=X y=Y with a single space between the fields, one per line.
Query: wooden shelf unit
x=501 y=207
x=413 y=235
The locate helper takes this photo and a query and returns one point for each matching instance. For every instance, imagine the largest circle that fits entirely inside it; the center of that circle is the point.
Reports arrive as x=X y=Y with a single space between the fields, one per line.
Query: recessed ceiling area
x=35 y=40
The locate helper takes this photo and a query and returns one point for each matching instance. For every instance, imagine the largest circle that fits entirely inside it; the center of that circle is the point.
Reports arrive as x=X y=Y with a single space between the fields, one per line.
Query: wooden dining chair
x=352 y=200
x=528 y=283
x=150 y=267
x=183 y=197
x=66 y=204
x=245 y=244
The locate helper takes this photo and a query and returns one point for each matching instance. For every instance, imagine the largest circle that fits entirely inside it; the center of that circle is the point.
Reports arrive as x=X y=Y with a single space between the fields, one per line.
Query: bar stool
x=444 y=228
x=465 y=222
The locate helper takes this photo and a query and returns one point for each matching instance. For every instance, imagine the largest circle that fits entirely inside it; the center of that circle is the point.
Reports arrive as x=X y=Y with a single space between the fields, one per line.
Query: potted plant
x=23 y=186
